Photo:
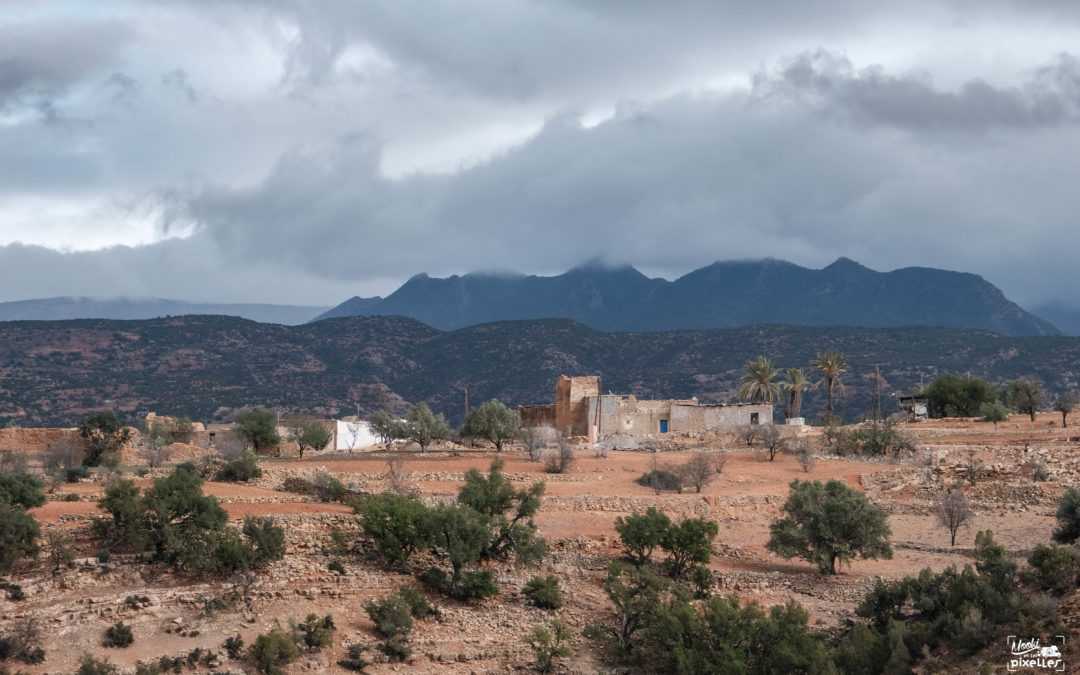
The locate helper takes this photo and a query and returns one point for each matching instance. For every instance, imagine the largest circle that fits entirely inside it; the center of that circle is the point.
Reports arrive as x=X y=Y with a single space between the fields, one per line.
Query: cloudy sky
x=306 y=151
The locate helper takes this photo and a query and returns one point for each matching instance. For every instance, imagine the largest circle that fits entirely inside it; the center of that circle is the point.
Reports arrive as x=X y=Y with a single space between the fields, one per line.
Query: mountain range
x=207 y=367
x=52 y=309
x=721 y=295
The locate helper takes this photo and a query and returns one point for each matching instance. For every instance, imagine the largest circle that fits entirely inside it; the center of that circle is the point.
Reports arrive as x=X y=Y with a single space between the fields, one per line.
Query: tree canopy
x=259 y=427
x=493 y=421
x=828 y=523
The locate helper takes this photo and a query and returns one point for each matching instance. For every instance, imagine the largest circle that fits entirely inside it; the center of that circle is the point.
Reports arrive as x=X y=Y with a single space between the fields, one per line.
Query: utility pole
x=466 y=401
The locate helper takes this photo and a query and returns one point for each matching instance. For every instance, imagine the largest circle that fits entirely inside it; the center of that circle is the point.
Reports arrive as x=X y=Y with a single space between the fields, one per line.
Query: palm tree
x=831 y=364
x=757 y=384
x=798 y=382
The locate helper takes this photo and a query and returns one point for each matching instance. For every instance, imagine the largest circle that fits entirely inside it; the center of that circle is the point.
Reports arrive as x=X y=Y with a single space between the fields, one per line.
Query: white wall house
x=354 y=436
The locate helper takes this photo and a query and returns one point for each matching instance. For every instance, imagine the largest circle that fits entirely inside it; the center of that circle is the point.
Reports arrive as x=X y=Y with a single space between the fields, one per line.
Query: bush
x=871 y=438
x=118 y=635
x=265 y=537
x=660 y=479
x=1055 y=568
x=316 y=633
x=93 y=666
x=549 y=645
x=234 y=646
x=104 y=434
x=19 y=532
x=70 y=497
x=1068 y=517
x=419 y=607
x=272 y=650
x=391 y=616
x=326 y=488
x=75 y=474
x=399 y=525
x=509 y=513
x=354 y=658
x=688 y=544
x=259 y=427
x=240 y=469
x=336 y=567
x=641 y=534
x=544 y=592
x=560 y=459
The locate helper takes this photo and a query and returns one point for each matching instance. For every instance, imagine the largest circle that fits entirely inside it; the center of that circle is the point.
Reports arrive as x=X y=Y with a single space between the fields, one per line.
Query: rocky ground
x=181 y=615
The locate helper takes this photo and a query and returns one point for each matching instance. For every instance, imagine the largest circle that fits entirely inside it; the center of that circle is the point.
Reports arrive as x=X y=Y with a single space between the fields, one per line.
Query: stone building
x=581 y=410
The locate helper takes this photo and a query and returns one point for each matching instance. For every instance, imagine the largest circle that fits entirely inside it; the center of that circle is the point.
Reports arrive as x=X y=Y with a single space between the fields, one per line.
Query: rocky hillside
x=722 y=295
x=208 y=366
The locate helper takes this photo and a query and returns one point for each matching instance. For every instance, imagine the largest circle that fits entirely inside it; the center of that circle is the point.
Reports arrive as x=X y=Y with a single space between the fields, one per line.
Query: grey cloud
x=39 y=61
x=177 y=80
x=669 y=187
x=830 y=83
x=124 y=88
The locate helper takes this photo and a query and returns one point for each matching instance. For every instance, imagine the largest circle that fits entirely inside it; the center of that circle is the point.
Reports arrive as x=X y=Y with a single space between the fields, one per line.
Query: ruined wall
x=33 y=441
x=571 y=403
x=627 y=415
x=537 y=415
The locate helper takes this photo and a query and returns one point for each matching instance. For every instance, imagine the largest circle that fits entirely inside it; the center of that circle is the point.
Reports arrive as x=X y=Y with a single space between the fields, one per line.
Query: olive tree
x=307 y=432
x=259 y=427
x=1026 y=394
x=493 y=421
x=423 y=426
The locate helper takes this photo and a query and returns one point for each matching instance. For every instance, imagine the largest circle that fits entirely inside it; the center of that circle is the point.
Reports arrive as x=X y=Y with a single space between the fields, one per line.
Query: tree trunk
x=1032 y=413
x=953 y=540
x=1064 y=415
x=832 y=565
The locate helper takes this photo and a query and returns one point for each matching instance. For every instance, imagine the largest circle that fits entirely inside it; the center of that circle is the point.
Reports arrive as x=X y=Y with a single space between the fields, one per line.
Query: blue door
x=663 y=426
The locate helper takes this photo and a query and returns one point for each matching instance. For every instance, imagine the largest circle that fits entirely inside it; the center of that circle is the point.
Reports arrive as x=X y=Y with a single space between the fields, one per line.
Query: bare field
x=74 y=607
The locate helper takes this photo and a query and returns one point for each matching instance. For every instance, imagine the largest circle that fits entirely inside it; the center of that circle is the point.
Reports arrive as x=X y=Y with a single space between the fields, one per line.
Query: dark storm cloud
x=303 y=152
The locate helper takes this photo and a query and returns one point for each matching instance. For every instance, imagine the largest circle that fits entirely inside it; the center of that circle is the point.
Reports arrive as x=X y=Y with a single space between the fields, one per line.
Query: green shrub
x=19 y=532
x=71 y=497
x=240 y=469
x=326 y=488
x=1055 y=568
x=399 y=525
x=316 y=633
x=14 y=592
x=549 y=645
x=76 y=473
x=93 y=666
x=391 y=617
x=1068 y=517
x=354 y=658
x=272 y=650
x=336 y=567
x=118 y=635
x=149 y=668
x=544 y=592
x=265 y=537
x=234 y=646
x=688 y=544
x=419 y=607
x=642 y=533
x=660 y=479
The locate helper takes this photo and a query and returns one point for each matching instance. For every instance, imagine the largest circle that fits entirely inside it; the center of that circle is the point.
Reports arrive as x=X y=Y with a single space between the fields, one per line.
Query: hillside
x=208 y=366
x=58 y=309
x=721 y=295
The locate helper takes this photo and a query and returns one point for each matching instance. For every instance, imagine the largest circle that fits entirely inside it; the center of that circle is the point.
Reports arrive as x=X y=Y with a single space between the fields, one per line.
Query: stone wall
x=34 y=441
x=571 y=403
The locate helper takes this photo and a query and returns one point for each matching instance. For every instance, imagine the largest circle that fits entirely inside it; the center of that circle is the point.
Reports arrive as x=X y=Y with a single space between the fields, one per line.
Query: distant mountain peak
x=722 y=295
